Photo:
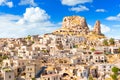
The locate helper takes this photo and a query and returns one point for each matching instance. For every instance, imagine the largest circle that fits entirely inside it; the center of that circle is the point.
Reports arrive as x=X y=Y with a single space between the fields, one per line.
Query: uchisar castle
x=77 y=26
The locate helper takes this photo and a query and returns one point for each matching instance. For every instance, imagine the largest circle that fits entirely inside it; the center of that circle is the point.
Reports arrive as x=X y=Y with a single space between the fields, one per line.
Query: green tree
x=114 y=77
x=111 y=41
x=5 y=57
x=75 y=46
x=92 y=49
x=105 y=42
x=33 y=79
x=115 y=70
x=90 y=77
x=29 y=37
x=33 y=42
x=119 y=49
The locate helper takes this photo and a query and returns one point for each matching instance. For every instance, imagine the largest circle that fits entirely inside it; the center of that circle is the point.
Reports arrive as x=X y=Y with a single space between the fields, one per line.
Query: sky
x=19 y=18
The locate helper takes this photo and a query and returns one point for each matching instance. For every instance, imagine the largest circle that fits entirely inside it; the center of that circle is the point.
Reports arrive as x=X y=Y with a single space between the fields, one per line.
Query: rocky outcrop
x=77 y=26
x=74 y=22
x=74 y=25
x=97 y=28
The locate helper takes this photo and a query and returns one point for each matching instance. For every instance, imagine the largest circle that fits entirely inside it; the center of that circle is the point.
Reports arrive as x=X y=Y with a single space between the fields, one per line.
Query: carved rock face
x=97 y=28
x=75 y=23
x=71 y=21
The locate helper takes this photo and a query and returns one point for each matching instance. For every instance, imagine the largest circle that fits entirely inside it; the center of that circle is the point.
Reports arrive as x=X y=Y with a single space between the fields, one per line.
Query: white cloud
x=114 y=18
x=28 y=2
x=105 y=29
x=79 y=8
x=34 y=15
x=114 y=33
x=100 y=10
x=90 y=27
x=7 y=3
x=74 y=2
x=11 y=27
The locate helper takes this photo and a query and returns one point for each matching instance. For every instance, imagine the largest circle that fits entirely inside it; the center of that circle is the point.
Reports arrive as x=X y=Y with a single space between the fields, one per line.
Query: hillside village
x=72 y=52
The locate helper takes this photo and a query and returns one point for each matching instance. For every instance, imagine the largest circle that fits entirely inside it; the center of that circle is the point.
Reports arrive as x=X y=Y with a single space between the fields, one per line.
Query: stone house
x=99 y=57
x=105 y=68
x=8 y=73
x=30 y=71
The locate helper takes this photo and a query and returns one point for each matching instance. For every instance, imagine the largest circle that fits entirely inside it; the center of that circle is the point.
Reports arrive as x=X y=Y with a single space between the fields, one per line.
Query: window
x=60 y=78
x=91 y=57
x=12 y=64
x=48 y=78
x=105 y=60
x=19 y=64
x=102 y=61
x=9 y=76
x=30 y=75
x=104 y=66
x=28 y=69
x=96 y=61
x=6 y=64
x=50 y=72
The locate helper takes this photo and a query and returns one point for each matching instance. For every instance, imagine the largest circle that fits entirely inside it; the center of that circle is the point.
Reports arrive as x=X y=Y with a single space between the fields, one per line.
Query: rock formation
x=74 y=22
x=97 y=28
x=74 y=25
x=77 y=26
